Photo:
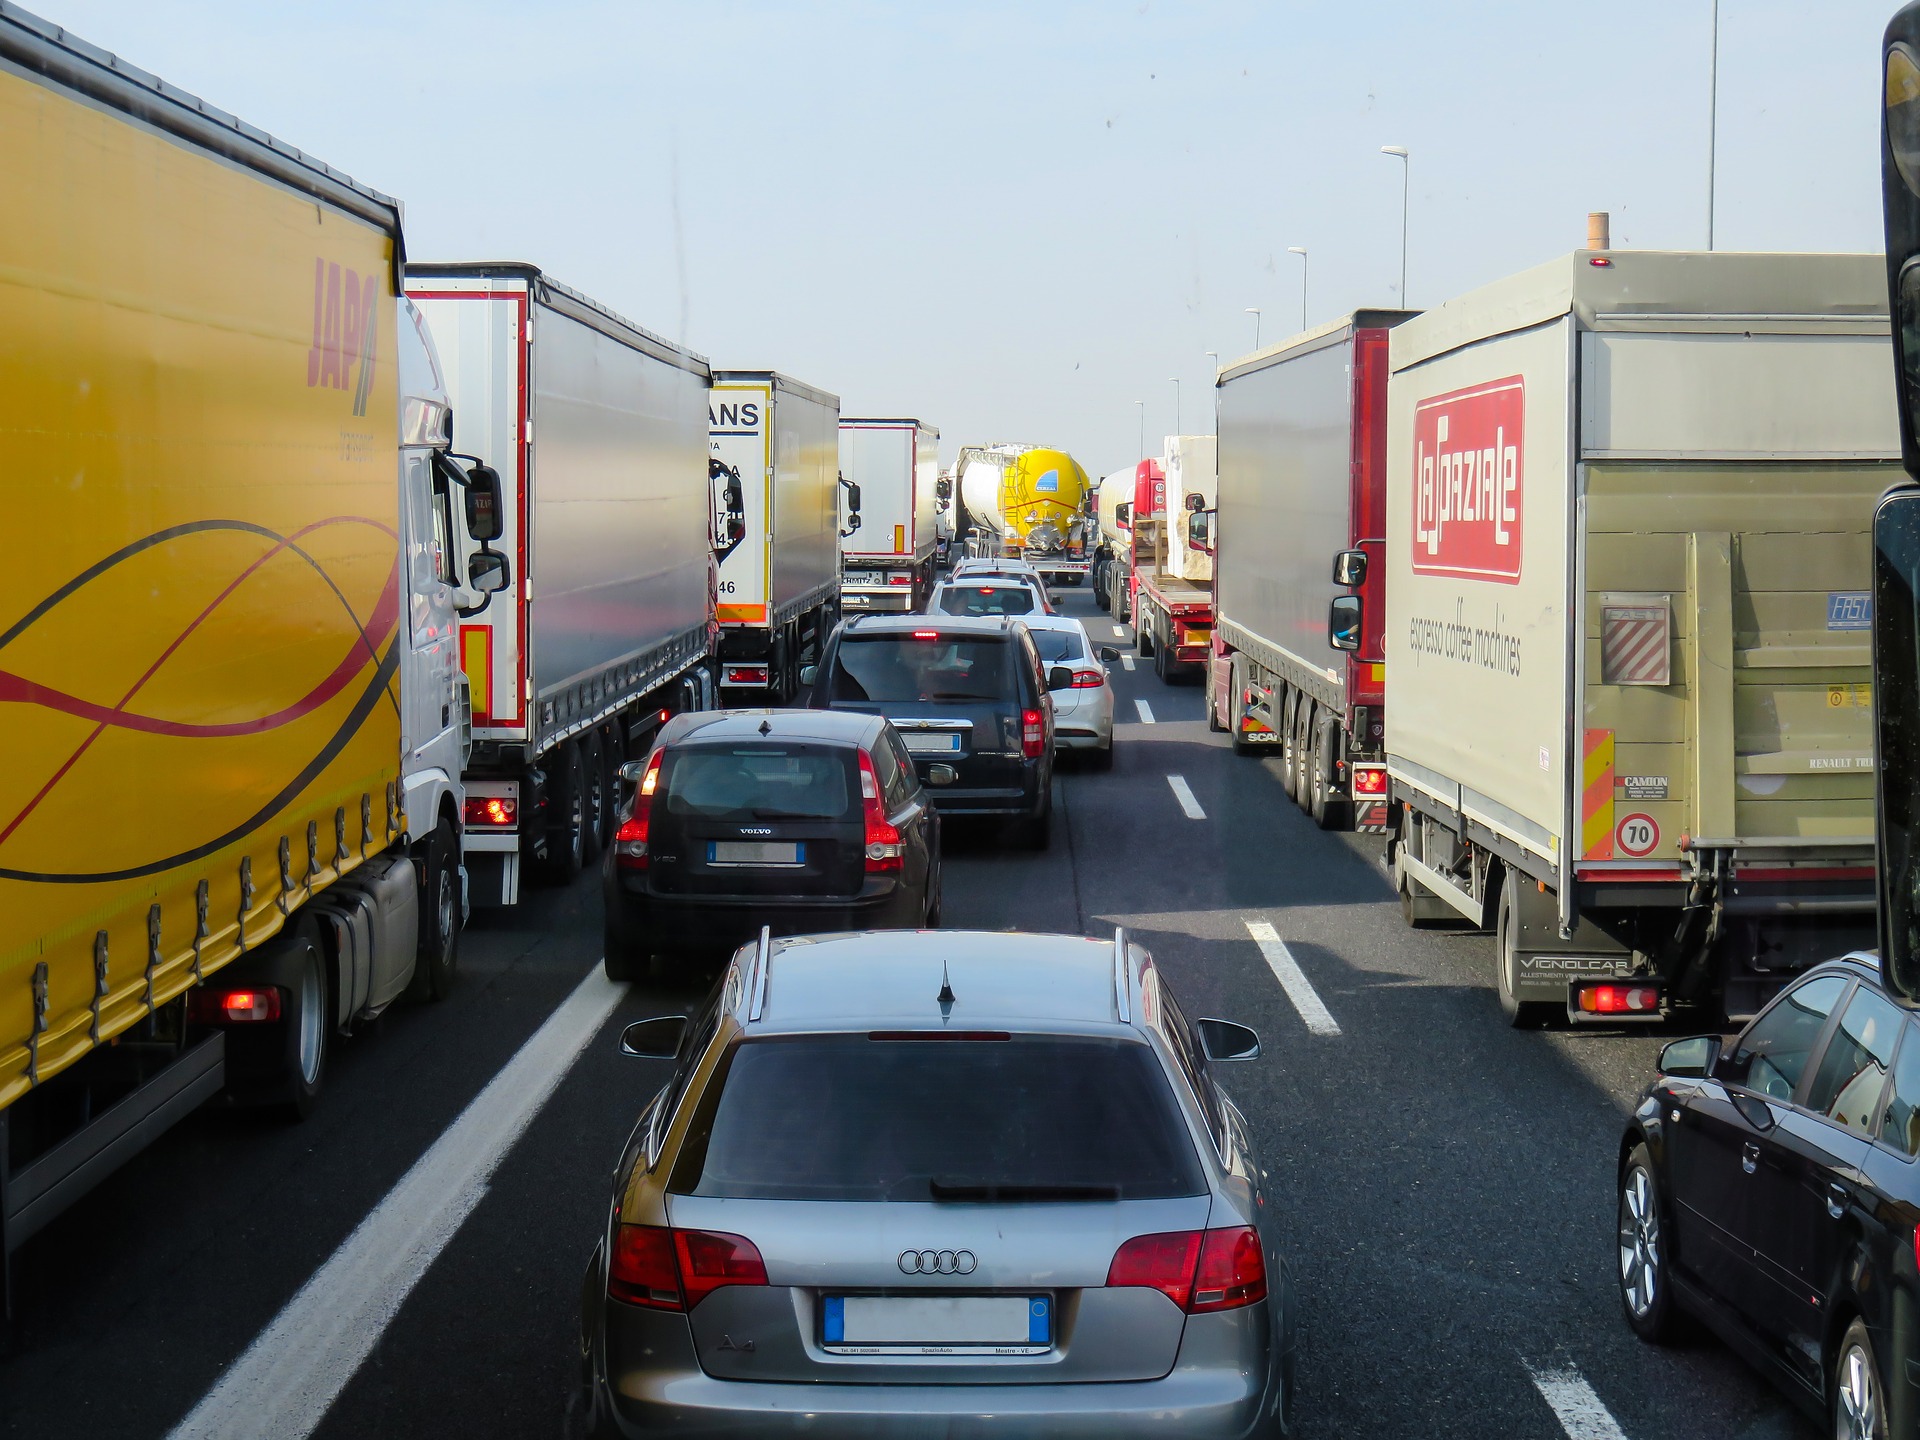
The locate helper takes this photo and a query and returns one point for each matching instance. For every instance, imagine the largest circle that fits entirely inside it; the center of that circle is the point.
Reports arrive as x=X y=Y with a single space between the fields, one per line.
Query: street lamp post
x=1399 y=152
x=1256 y=326
x=1301 y=251
x=1713 y=118
x=1214 y=356
x=1143 y=427
x=1174 y=380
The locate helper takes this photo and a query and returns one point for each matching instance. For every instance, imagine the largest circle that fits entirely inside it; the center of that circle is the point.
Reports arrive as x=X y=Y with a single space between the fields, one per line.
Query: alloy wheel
x=1857 y=1409
x=1639 y=1243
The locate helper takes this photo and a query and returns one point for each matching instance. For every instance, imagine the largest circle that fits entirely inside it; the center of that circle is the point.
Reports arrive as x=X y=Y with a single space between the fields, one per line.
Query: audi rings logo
x=937 y=1262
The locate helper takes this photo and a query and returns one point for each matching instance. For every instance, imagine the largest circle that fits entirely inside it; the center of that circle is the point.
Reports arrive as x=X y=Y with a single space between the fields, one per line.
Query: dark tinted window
x=986 y=600
x=898 y=668
x=1896 y=712
x=1853 y=1070
x=1058 y=647
x=765 y=782
x=909 y=779
x=1191 y=1056
x=1900 y=1116
x=1774 y=1052
x=853 y=1118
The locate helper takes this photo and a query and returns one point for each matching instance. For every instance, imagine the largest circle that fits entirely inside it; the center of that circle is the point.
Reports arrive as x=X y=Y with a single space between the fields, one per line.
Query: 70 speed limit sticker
x=1637 y=834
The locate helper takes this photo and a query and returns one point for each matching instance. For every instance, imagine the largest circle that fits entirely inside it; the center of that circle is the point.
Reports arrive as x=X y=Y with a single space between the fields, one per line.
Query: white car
x=979 y=594
x=975 y=565
x=1082 y=713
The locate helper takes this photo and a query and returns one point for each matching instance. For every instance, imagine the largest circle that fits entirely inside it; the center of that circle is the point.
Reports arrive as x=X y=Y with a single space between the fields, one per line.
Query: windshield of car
x=762 y=781
x=884 y=669
x=937 y=1117
x=985 y=600
x=1056 y=647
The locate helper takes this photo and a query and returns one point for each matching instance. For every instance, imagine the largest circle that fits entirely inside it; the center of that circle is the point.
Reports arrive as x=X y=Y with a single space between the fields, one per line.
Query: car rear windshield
x=986 y=600
x=1010 y=1118
x=1058 y=646
x=899 y=668
x=766 y=782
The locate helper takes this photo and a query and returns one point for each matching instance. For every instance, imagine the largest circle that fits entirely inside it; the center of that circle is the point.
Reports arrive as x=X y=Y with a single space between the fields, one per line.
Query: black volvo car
x=1769 y=1185
x=793 y=819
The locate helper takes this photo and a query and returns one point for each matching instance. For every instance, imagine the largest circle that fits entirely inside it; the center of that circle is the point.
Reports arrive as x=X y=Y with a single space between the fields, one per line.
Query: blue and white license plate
x=756 y=852
x=937 y=1324
x=931 y=742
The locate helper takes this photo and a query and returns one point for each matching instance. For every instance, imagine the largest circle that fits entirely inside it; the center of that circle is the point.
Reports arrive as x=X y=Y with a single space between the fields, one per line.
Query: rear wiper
x=959 y=695
x=979 y=1190
x=788 y=815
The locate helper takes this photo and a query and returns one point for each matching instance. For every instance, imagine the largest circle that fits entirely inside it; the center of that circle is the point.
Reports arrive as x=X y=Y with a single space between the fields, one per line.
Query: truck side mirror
x=1200 y=531
x=1350 y=568
x=488 y=572
x=853 y=497
x=1123 y=515
x=1343 y=622
x=484 y=522
x=943 y=489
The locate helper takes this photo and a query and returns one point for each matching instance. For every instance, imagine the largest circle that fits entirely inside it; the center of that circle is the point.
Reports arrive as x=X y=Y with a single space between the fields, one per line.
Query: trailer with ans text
x=230 y=809
x=1629 y=509
x=778 y=441
x=598 y=431
x=1303 y=441
x=888 y=473
x=1172 y=558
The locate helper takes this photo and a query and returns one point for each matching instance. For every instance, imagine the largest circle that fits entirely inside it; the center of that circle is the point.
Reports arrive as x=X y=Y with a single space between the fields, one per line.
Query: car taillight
x=884 y=847
x=1089 y=679
x=215 y=1005
x=491 y=811
x=630 y=840
x=666 y=1269
x=1370 y=781
x=1033 y=734
x=1199 y=1270
x=1620 y=999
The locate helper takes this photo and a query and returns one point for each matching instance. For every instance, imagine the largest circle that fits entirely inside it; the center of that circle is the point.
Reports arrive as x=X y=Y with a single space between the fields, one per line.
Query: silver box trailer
x=598 y=430
x=779 y=589
x=886 y=559
x=1628 y=535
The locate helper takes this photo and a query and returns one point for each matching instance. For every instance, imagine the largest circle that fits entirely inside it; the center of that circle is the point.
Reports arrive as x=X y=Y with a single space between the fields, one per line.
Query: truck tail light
x=630 y=840
x=743 y=674
x=900 y=579
x=233 y=1005
x=1033 y=734
x=1619 y=999
x=666 y=1269
x=1199 y=1270
x=1370 y=782
x=884 y=846
x=491 y=812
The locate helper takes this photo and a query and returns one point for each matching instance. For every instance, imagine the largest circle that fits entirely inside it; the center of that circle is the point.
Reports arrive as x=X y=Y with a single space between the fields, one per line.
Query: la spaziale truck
x=230 y=815
x=1303 y=442
x=888 y=471
x=1025 y=502
x=598 y=431
x=1629 y=500
x=778 y=441
x=1172 y=577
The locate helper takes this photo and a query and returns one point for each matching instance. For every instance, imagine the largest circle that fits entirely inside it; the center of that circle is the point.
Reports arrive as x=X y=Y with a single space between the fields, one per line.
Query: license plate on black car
x=931 y=741
x=755 y=852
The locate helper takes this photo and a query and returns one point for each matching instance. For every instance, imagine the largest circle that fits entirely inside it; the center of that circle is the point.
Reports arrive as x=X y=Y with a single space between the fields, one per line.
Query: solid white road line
x=292 y=1373
x=1292 y=979
x=1184 y=794
x=1581 y=1413
x=1146 y=712
x=1127 y=660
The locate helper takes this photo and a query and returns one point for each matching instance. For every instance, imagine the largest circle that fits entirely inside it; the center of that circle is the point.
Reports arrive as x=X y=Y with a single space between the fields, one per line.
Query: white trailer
x=598 y=431
x=778 y=441
x=1629 y=505
x=888 y=471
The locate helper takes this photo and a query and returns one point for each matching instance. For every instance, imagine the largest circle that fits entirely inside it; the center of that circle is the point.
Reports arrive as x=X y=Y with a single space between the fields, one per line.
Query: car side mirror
x=484 y=522
x=488 y=572
x=1350 y=568
x=1224 y=1040
x=1059 y=678
x=809 y=674
x=1343 y=622
x=1691 y=1059
x=655 y=1039
x=1109 y=652
x=941 y=774
x=633 y=771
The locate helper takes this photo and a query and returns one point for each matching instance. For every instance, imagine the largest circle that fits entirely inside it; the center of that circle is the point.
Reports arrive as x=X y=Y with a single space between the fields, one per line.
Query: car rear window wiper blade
x=960 y=695
x=990 y=1190
x=792 y=815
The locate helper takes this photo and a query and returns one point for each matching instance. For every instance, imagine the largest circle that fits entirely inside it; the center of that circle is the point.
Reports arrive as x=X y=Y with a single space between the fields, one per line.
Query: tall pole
x=1301 y=251
x=1256 y=326
x=1713 y=118
x=1399 y=152
x=1214 y=356
x=1175 y=380
x=1143 y=427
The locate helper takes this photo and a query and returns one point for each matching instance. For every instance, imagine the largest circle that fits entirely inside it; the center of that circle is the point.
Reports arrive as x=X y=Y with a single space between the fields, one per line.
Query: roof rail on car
x=1122 y=988
x=762 y=962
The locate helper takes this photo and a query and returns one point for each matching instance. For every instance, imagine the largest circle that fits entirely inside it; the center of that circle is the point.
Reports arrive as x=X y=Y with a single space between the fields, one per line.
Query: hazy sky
x=1015 y=220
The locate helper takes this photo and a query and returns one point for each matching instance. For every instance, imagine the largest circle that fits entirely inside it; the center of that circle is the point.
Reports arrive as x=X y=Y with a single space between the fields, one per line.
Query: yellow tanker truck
x=1025 y=502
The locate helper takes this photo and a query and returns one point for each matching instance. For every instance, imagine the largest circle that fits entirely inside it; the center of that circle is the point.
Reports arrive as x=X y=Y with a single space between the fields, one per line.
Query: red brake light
x=1033 y=734
x=900 y=579
x=1369 y=781
x=926 y=634
x=1232 y=1271
x=710 y=1259
x=491 y=810
x=1159 y=1262
x=665 y=1269
x=1089 y=679
x=884 y=847
x=211 y=1005
x=630 y=840
x=1620 y=999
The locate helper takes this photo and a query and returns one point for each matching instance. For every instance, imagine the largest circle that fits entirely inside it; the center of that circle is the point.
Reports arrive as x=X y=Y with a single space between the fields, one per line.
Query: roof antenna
x=946 y=996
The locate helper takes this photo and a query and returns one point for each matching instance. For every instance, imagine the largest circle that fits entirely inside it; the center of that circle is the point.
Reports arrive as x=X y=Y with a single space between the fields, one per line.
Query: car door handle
x=1838 y=1198
x=1749 y=1157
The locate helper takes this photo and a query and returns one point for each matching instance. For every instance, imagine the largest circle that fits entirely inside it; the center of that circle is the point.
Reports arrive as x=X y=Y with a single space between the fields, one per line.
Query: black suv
x=787 y=818
x=969 y=696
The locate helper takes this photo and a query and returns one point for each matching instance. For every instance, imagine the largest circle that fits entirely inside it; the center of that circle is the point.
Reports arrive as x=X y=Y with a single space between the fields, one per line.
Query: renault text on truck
x=1629 y=501
x=1303 y=441
x=598 y=431
x=228 y=684
x=1172 y=603
x=888 y=473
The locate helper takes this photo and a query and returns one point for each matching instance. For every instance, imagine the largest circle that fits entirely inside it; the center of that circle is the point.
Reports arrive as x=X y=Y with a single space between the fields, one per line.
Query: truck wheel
x=1143 y=636
x=1289 y=702
x=1162 y=665
x=1302 y=754
x=1519 y=1014
x=567 y=815
x=1237 y=707
x=1324 y=808
x=596 y=800
x=438 y=865
x=1210 y=692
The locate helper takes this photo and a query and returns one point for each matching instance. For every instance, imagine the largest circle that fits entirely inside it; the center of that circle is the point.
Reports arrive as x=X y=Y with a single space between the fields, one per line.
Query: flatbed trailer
x=1172 y=566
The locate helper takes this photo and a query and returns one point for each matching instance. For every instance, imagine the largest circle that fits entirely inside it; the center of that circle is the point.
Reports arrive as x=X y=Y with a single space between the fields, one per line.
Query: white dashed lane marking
x=1146 y=712
x=1127 y=660
x=1292 y=979
x=1581 y=1413
x=1183 y=792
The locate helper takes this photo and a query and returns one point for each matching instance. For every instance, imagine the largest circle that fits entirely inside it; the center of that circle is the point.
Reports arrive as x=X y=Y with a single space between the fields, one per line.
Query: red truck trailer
x=1172 y=579
x=1303 y=443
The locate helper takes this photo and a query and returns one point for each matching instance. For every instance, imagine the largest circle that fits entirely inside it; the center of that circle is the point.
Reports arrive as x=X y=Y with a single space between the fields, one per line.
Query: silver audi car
x=948 y=1184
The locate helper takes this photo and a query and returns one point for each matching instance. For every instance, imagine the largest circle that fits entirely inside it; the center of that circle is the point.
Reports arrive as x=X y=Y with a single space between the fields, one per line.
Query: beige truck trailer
x=1629 y=510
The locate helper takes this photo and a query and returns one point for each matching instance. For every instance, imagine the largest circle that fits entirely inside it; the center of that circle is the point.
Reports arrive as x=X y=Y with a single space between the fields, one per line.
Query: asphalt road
x=1446 y=1182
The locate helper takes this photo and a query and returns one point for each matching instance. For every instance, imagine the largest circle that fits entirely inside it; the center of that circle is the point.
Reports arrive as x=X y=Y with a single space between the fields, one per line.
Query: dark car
x=1770 y=1186
x=793 y=819
x=970 y=697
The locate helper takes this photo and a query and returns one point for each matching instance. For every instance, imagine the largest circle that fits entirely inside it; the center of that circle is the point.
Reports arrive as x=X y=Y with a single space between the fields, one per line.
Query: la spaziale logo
x=346 y=330
x=1468 y=454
